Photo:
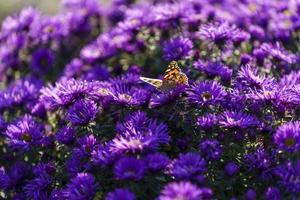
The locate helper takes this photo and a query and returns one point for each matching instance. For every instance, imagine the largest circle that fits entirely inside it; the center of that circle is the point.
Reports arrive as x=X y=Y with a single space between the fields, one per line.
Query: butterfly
x=173 y=77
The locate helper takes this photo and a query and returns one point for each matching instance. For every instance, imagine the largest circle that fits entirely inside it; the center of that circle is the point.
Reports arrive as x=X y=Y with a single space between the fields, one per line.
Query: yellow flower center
x=26 y=137
x=206 y=96
x=289 y=142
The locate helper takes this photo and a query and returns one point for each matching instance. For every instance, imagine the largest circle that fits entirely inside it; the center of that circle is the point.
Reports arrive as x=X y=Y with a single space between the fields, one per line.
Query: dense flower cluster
x=76 y=121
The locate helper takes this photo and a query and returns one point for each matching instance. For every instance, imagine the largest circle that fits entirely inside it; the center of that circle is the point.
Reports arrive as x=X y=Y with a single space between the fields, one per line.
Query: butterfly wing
x=154 y=82
x=172 y=70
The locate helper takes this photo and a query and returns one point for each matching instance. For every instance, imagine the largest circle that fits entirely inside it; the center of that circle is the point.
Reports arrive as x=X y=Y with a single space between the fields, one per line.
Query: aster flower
x=231 y=119
x=49 y=28
x=4 y=179
x=287 y=136
x=250 y=194
x=187 y=166
x=261 y=161
x=87 y=143
x=83 y=186
x=177 y=48
x=231 y=168
x=211 y=149
x=67 y=91
x=272 y=193
x=129 y=168
x=289 y=176
x=121 y=193
x=77 y=162
x=21 y=92
x=24 y=133
x=42 y=60
x=65 y=135
x=130 y=96
x=222 y=33
x=248 y=76
x=101 y=156
x=184 y=190
x=18 y=173
x=82 y=112
x=139 y=133
x=277 y=52
x=38 y=188
x=156 y=161
x=213 y=69
x=206 y=93
x=164 y=98
x=207 y=121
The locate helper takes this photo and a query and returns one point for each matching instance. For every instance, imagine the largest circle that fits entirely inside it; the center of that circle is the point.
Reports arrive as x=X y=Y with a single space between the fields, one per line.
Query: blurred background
x=9 y=7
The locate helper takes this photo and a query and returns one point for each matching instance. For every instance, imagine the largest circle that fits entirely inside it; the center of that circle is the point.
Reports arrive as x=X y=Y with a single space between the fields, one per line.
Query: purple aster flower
x=289 y=176
x=207 y=121
x=206 y=93
x=221 y=33
x=250 y=194
x=77 y=162
x=272 y=193
x=278 y=53
x=287 y=136
x=4 y=179
x=157 y=161
x=57 y=194
x=248 y=77
x=18 y=173
x=187 y=166
x=82 y=112
x=177 y=48
x=211 y=149
x=120 y=193
x=21 y=92
x=24 y=133
x=42 y=60
x=87 y=143
x=231 y=119
x=82 y=186
x=139 y=133
x=65 y=135
x=164 y=98
x=184 y=190
x=101 y=155
x=213 y=69
x=130 y=96
x=38 y=188
x=67 y=91
x=129 y=168
x=49 y=28
x=261 y=161
x=290 y=79
x=231 y=168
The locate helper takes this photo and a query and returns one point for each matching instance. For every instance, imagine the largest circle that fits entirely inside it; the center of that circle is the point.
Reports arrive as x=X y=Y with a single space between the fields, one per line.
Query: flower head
x=211 y=149
x=139 y=133
x=25 y=133
x=187 y=166
x=206 y=93
x=82 y=112
x=184 y=190
x=157 y=161
x=129 y=168
x=42 y=60
x=177 y=48
x=121 y=193
x=231 y=119
x=287 y=136
x=82 y=186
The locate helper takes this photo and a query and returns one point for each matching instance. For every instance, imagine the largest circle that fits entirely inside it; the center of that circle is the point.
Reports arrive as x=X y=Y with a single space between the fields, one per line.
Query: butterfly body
x=172 y=78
